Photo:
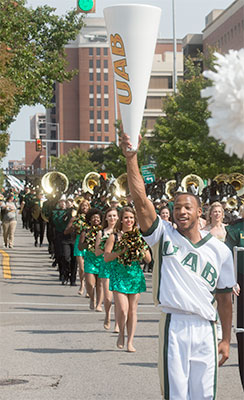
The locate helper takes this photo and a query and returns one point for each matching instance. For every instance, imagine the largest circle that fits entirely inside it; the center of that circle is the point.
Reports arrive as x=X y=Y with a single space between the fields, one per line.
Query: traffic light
x=38 y=145
x=86 y=6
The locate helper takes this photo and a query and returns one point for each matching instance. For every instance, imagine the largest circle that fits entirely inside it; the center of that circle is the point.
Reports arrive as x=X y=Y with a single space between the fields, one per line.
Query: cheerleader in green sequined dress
x=109 y=221
x=91 y=261
x=127 y=280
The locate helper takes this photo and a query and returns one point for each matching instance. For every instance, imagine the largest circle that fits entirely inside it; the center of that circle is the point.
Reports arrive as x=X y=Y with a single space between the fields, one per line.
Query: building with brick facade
x=86 y=108
x=224 y=29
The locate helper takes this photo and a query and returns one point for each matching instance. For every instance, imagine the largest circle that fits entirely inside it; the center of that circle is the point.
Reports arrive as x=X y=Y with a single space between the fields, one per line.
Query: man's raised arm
x=145 y=210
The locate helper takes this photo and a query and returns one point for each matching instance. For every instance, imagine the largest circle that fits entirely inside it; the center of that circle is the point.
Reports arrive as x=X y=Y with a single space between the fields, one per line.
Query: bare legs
x=126 y=309
x=93 y=281
x=80 y=263
x=108 y=295
x=132 y=320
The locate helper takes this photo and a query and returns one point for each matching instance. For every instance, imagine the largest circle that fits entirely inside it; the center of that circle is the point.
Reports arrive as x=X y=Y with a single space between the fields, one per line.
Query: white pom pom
x=226 y=101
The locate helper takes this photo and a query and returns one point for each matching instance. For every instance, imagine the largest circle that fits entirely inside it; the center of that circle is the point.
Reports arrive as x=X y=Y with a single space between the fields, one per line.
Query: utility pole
x=175 y=50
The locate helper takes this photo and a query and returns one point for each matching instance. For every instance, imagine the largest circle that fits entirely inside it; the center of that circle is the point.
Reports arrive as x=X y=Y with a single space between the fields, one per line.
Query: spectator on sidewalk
x=9 y=221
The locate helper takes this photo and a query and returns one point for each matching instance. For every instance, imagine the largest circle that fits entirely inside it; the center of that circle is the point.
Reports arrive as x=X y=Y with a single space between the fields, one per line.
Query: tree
x=35 y=39
x=7 y=86
x=75 y=164
x=180 y=141
x=113 y=158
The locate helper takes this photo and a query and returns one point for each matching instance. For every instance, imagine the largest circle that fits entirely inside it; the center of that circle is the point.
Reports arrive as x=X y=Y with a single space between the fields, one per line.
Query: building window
x=99 y=102
x=90 y=63
x=105 y=51
x=90 y=51
x=98 y=63
x=106 y=139
x=98 y=89
x=106 y=127
x=98 y=76
x=106 y=102
x=106 y=76
x=105 y=114
x=91 y=114
x=91 y=76
x=98 y=51
x=91 y=127
x=105 y=88
x=91 y=102
x=105 y=63
x=170 y=82
x=91 y=138
x=99 y=128
x=99 y=114
x=91 y=89
x=99 y=138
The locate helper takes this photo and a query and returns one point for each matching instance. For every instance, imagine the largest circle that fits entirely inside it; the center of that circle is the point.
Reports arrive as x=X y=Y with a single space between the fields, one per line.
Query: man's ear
x=199 y=213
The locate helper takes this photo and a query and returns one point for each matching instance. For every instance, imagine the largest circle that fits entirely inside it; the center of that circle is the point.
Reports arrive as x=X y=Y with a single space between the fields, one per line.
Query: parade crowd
x=95 y=237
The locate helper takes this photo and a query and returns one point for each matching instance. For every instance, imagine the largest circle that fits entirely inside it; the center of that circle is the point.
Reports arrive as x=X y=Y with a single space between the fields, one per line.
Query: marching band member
x=235 y=237
x=78 y=223
x=38 y=222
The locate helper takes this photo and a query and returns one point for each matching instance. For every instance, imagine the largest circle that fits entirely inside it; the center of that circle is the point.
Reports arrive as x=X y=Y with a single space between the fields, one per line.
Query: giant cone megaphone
x=132 y=32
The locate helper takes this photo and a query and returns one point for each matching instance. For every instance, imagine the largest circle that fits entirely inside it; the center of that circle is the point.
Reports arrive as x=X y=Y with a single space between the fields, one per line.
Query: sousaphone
x=237 y=181
x=54 y=182
x=194 y=180
x=170 y=188
x=90 y=181
x=121 y=189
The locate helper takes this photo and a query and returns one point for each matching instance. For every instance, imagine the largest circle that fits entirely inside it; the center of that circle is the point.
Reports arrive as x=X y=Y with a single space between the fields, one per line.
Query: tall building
x=38 y=130
x=224 y=29
x=38 y=127
x=85 y=108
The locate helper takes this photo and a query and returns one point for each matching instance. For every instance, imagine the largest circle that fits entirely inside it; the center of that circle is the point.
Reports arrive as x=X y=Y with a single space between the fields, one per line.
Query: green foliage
x=112 y=158
x=180 y=141
x=4 y=142
x=35 y=38
x=75 y=164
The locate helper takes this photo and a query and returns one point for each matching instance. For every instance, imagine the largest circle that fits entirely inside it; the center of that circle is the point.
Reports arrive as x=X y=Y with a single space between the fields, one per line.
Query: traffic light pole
x=63 y=141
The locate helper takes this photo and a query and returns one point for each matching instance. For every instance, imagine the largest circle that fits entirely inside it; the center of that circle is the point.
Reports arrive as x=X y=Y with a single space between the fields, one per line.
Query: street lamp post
x=175 y=50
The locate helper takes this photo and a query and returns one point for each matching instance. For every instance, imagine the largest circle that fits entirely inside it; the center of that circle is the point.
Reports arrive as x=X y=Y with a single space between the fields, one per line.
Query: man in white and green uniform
x=189 y=267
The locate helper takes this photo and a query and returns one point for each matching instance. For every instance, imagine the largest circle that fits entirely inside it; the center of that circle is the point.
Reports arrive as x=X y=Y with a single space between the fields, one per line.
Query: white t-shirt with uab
x=190 y=273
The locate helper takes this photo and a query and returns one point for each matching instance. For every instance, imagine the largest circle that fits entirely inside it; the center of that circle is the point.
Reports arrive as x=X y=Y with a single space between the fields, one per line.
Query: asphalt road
x=53 y=347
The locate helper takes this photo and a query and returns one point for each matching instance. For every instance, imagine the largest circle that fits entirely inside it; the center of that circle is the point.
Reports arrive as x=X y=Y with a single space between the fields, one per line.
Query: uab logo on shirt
x=191 y=261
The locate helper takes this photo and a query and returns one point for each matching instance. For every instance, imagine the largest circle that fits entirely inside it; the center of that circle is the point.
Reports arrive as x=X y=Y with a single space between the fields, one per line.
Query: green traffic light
x=85 y=5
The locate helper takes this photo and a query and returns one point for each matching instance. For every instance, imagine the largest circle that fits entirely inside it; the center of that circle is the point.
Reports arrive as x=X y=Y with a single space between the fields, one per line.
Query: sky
x=189 y=18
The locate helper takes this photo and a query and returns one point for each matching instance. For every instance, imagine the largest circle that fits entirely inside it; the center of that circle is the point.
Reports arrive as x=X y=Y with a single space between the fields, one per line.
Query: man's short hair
x=188 y=194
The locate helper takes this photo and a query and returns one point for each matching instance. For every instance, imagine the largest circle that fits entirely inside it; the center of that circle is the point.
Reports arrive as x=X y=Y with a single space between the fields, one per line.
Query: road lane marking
x=6 y=265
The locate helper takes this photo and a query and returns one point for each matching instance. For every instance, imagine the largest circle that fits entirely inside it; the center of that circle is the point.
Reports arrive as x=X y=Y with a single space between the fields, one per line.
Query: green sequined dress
x=92 y=262
x=127 y=279
x=105 y=267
